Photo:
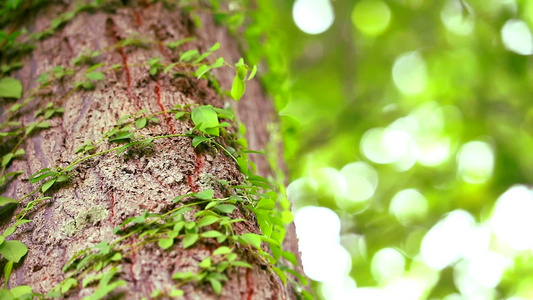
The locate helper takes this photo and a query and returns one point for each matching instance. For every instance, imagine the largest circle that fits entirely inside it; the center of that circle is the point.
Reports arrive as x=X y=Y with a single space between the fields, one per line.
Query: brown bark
x=119 y=187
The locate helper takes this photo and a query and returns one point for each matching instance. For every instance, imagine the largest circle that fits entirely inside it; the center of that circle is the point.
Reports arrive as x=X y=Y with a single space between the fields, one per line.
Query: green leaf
x=222 y=250
x=68 y=284
x=224 y=113
x=7 y=159
x=47 y=185
x=6 y=200
x=7 y=271
x=179 y=114
x=165 y=243
x=237 y=88
x=177 y=43
x=169 y=67
x=289 y=256
x=212 y=234
x=10 y=88
x=21 y=290
x=205 y=117
x=176 y=293
x=281 y=274
x=187 y=56
x=189 y=240
x=183 y=275
x=266 y=204
x=96 y=76
x=201 y=70
x=206 y=263
x=225 y=208
x=207 y=220
x=6 y=295
x=211 y=204
x=121 y=136
x=239 y=263
x=197 y=140
x=252 y=74
x=215 y=47
x=205 y=195
x=140 y=123
x=217 y=286
x=251 y=239
x=13 y=250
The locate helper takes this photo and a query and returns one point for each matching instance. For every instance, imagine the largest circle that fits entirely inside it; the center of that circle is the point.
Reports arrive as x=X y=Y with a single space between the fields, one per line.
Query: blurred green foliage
x=435 y=76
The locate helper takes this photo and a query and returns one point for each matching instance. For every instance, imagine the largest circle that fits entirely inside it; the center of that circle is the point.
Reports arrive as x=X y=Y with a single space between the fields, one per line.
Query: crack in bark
x=193 y=178
x=249 y=286
x=168 y=120
x=112 y=31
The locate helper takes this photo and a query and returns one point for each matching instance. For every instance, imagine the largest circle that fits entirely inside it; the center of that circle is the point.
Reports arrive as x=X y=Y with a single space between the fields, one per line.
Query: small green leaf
x=68 y=284
x=252 y=74
x=215 y=47
x=201 y=70
x=252 y=239
x=189 y=240
x=187 y=56
x=20 y=291
x=205 y=195
x=190 y=225
x=237 y=88
x=207 y=220
x=222 y=250
x=217 y=286
x=197 y=140
x=225 y=208
x=206 y=263
x=289 y=256
x=266 y=204
x=211 y=204
x=281 y=274
x=177 y=43
x=7 y=271
x=176 y=293
x=239 y=263
x=13 y=250
x=20 y=152
x=140 y=123
x=183 y=275
x=224 y=113
x=179 y=114
x=206 y=118
x=10 y=88
x=7 y=159
x=47 y=185
x=121 y=136
x=165 y=243
x=95 y=75
x=212 y=234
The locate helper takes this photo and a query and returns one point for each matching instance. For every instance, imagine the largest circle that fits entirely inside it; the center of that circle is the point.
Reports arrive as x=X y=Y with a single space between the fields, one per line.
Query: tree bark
x=108 y=189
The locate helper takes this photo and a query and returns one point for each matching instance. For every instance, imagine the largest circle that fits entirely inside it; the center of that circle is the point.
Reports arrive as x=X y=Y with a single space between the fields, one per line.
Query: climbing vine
x=197 y=216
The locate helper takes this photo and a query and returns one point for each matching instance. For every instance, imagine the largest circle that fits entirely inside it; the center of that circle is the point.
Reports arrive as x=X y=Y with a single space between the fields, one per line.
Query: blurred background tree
x=407 y=127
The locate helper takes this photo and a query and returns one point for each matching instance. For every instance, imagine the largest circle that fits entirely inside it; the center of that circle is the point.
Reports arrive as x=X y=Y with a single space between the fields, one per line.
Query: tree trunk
x=103 y=191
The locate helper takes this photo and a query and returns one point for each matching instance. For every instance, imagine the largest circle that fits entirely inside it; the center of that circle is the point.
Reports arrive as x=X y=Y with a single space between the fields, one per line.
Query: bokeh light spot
x=371 y=17
x=448 y=240
x=313 y=16
x=387 y=264
x=410 y=74
x=456 y=19
x=361 y=183
x=384 y=146
x=476 y=162
x=511 y=218
x=517 y=37
x=408 y=206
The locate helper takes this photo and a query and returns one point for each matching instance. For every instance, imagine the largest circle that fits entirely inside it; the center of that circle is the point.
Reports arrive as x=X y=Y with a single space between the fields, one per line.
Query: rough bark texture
x=109 y=189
